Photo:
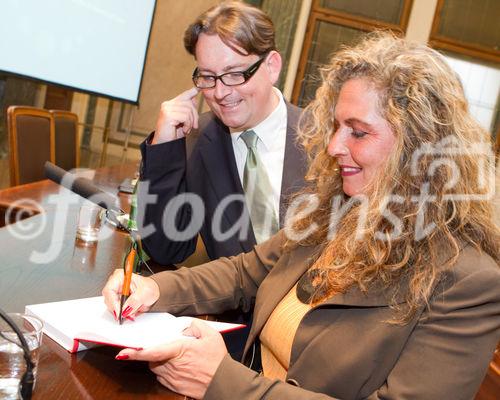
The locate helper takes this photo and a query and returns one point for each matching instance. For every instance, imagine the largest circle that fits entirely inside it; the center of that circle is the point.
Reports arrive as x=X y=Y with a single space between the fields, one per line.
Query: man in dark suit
x=235 y=165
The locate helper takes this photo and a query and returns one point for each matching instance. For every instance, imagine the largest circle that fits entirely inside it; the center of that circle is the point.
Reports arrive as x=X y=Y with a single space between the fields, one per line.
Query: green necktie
x=258 y=191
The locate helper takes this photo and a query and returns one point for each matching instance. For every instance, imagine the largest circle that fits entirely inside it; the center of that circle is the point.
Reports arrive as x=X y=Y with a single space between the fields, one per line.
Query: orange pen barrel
x=129 y=267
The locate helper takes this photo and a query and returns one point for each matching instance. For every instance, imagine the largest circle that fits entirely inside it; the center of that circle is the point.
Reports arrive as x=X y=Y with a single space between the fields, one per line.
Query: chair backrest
x=31 y=138
x=67 y=145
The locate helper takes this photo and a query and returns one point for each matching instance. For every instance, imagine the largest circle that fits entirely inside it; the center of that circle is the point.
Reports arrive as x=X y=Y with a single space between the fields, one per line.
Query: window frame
x=321 y=14
x=469 y=49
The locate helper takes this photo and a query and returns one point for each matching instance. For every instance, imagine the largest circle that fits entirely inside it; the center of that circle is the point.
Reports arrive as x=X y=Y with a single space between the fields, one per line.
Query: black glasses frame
x=247 y=74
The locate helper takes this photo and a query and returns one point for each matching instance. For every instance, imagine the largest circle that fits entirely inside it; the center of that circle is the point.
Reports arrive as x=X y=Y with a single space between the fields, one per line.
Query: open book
x=80 y=324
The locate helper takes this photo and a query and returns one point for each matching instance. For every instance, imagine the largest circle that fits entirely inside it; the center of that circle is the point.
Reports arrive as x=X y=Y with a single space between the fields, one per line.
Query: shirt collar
x=266 y=130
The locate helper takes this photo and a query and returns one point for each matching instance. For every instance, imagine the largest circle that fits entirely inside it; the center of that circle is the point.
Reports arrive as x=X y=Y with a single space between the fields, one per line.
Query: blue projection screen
x=96 y=46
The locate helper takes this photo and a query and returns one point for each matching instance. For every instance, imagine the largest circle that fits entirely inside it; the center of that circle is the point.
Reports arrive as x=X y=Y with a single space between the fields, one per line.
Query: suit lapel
x=294 y=163
x=218 y=157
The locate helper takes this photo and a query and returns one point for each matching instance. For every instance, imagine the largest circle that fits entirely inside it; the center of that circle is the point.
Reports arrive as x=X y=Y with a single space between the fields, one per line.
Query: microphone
x=27 y=381
x=85 y=188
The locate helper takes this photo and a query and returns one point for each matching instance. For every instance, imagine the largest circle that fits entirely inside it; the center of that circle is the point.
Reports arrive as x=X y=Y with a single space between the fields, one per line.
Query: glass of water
x=12 y=362
x=89 y=223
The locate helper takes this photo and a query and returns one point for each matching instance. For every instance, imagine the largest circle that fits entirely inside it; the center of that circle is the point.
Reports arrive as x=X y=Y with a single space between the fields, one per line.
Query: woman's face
x=363 y=139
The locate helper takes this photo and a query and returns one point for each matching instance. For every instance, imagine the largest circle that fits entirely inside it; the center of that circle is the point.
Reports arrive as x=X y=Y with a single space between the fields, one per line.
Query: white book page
x=89 y=320
x=150 y=329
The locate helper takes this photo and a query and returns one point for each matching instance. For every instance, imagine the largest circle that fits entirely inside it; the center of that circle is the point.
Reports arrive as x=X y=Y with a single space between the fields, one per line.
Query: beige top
x=278 y=333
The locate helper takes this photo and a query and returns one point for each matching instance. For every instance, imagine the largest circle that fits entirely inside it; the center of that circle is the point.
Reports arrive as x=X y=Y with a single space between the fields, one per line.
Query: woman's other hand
x=185 y=366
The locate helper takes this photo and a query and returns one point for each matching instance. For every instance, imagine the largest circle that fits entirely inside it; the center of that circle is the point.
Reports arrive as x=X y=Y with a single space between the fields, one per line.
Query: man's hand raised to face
x=177 y=117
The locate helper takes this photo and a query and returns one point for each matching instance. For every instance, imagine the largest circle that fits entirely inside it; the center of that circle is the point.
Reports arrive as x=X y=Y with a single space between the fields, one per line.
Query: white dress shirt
x=270 y=146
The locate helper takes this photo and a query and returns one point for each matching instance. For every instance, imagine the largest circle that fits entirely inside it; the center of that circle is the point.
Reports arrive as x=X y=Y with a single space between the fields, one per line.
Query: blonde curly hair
x=423 y=101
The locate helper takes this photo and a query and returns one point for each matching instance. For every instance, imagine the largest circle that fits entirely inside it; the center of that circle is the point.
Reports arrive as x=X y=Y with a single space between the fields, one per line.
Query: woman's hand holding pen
x=144 y=293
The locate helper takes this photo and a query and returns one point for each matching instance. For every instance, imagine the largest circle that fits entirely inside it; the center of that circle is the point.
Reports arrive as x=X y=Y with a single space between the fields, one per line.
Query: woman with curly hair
x=385 y=283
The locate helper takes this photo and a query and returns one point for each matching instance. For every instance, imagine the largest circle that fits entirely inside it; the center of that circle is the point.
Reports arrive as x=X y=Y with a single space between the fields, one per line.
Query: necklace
x=306 y=290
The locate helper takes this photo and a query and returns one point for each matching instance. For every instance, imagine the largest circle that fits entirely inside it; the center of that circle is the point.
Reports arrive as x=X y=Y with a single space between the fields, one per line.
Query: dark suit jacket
x=211 y=173
x=343 y=349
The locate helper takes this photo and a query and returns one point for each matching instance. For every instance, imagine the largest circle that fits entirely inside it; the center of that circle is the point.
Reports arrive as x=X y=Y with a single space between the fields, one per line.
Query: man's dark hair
x=244 y=28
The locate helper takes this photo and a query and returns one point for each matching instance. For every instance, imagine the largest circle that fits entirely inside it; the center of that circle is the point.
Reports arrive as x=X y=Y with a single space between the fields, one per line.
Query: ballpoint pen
x=128 y=268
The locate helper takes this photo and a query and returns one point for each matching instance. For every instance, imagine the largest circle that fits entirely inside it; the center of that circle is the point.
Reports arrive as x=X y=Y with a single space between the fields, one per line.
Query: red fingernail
x=130 y=318
x=114 y=313
x=126 y=311
x=122 y=357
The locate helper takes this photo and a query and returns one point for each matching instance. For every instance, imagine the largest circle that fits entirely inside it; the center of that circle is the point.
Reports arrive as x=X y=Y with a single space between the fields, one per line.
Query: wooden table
x=81 y=272
x=30 y=274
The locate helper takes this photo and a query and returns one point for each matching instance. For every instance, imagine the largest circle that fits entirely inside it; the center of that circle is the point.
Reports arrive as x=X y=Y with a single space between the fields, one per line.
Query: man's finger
x=188 y=94
x=195 y=119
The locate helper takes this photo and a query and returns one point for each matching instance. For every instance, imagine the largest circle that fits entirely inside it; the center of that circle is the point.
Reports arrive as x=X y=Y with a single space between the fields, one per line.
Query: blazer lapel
x=277 y=284
x=218 y=156
x=294 y=164
x=285 y=275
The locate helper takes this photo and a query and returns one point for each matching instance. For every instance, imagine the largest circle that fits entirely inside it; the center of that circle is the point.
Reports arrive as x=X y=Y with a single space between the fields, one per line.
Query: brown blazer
x=343 y=349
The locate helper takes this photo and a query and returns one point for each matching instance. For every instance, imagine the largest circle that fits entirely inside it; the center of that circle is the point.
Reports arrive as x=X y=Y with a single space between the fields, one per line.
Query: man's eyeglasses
x=229 y=79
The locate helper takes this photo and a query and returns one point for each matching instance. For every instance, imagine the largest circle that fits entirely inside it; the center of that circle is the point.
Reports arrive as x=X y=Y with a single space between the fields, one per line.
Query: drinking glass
x=12 y=362
x=89 y=223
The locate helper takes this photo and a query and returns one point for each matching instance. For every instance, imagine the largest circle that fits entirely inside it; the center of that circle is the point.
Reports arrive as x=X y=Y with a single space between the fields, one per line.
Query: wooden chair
x=67 y=145
x=31 y=139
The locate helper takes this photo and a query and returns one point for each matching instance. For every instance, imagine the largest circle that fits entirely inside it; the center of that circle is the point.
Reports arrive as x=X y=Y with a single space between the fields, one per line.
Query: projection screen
x=94 y=46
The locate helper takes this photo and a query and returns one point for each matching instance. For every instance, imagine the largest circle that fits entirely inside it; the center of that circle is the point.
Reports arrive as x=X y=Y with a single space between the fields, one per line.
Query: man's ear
x=273 y=64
